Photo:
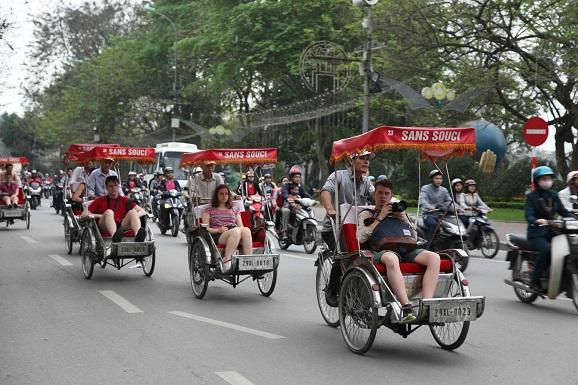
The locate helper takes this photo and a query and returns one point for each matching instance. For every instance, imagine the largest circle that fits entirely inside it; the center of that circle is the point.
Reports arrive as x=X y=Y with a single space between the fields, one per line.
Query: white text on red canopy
x=434 y=136
x=120 y=151
x=252 y=154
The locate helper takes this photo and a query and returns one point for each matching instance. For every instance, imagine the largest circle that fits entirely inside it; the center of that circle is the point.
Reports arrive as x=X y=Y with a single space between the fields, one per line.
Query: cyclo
x=72 y=224
x=366 y=300
x=206 y=257
x=97 y=246
x=22 y=211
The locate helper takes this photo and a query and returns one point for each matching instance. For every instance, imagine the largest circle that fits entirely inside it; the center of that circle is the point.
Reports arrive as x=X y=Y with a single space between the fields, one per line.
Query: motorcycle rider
x=250 y=186
x=571 y=189
x=95 y=183
x=169 y=183
x=356 y=191
x=472 y=200
x=117 y=213
x=35 y=177
x=541 y=206
x=372 y=229
x=294 y=181
x=155 y=187
x=458 y=193
x=268 y=186
x=131 y=183
x=433 y=197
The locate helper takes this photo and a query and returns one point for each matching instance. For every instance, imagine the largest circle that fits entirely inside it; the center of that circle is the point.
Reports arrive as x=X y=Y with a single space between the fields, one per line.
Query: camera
x=398 y=207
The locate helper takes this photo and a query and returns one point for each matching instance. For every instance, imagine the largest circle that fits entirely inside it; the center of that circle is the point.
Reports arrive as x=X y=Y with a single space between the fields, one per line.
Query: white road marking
x=120 y=301
x=234 y=378
x=28 y=239
x=61 y=260
x=227 y=325
x=298 y=257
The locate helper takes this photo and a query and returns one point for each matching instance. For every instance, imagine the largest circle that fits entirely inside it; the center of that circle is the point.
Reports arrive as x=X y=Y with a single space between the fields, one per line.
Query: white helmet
x=571 y=175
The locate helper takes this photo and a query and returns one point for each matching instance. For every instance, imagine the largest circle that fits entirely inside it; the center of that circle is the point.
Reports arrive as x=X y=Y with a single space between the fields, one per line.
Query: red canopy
x=141 y=155
x=75 y=149
x=14 y=160
x=230 y=156
x=433 y=142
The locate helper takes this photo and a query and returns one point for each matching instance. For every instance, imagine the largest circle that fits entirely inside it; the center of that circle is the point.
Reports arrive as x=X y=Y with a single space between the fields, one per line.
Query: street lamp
x=174 y=121
x=366 y=67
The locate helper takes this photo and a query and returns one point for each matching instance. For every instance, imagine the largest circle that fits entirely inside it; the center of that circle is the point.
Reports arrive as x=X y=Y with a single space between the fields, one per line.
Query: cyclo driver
x=387 y=230
x=116 y=213
x=294 y=181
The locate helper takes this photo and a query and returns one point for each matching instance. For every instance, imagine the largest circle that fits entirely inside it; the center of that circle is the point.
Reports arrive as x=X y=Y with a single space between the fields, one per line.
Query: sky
x=13 y=63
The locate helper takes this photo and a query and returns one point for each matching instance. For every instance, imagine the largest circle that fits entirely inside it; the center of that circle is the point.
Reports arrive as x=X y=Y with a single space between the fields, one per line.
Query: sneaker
x=407 y=313
x=117 y=237
x=140 y=235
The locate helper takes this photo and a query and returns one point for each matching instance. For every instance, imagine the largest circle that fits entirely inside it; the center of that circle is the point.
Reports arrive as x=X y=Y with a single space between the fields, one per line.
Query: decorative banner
x=433 y=142
x=535 y=131
x=141 y=155
x=14 y=160
x=230 y=156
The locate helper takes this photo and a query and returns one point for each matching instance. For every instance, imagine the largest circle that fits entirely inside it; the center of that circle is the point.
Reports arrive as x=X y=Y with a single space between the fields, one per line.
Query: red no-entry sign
x=535 y=131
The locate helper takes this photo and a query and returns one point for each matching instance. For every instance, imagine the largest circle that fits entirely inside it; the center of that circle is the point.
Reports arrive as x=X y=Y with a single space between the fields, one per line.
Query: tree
x=524 y=49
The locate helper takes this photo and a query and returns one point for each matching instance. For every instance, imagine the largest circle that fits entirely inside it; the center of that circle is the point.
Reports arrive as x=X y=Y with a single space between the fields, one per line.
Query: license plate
x=129 y=250
x=12 y=213
x=452 y=312
x=255 y=263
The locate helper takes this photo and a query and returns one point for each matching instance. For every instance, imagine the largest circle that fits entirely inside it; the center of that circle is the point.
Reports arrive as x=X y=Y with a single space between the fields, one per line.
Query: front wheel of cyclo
x=198 y=269
x=329 y=313
x=451 y=335
x=87 y=254
x=358 y=317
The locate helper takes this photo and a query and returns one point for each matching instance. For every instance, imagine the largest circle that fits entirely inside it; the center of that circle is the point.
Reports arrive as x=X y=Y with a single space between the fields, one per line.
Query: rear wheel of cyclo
x=451 y=335
x=68 y=236
x=148 y=264
x=87 y=254
x=357 y=316
x=198 y=269
x=267 y=281
x=329 y=313
x=310 y=239
x=490 y=244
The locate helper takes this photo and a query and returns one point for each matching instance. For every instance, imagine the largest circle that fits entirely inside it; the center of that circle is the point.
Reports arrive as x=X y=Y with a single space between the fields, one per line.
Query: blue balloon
x=489 y=137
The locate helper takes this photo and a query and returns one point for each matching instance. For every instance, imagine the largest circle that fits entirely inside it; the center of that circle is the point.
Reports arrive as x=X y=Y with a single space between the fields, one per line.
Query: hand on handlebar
x=331 y=212
x=541 y=222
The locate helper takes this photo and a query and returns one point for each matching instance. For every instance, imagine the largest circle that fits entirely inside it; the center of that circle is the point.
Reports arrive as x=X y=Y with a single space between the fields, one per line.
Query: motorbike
x=255 y=206
x=302 y=227
x=135 y=194
x=47 y=189
x=58 y=198
x=35 y=192
x=562 y=276
x=170 y=210
x=481 y=235
x=447 y=236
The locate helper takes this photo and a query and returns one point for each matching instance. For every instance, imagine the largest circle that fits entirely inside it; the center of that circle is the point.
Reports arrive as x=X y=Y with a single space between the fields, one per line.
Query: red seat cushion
x=126 y=234
x=77 y=212
x=415 y=268
x=246 y=218
x=256 y=245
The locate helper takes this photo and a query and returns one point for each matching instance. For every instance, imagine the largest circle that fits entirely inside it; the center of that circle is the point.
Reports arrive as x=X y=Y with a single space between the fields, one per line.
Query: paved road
x=123 y=328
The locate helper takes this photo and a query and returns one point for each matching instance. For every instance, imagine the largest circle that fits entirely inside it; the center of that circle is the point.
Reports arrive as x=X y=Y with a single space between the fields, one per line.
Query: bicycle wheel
x=87 y=255
x=451 y=335
x=198 y=269
x=68 y=236
x=267 y=282
x=148 y=264
x=490 y=244
x=357 y=315
x=329 y=313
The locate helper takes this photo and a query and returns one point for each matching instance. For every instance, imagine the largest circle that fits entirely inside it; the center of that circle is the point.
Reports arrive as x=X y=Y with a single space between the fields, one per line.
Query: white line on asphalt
x=28 y=239
x=234 y=378
x=61 y=260
x=120 y=301
x=227 y=325
x=298 y=257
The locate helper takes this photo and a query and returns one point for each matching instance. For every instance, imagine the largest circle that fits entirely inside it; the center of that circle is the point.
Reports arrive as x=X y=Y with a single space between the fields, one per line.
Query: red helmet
x=294 y=171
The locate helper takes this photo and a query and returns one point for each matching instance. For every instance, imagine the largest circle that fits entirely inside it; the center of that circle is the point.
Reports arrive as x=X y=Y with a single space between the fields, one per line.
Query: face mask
x=545 y=184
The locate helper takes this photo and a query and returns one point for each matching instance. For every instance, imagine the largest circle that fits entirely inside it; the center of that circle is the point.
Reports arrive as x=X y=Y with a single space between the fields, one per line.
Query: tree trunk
x=561 y=163
x=320 y=150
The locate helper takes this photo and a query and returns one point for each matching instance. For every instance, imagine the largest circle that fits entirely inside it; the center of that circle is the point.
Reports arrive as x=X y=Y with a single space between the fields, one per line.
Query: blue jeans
x=430 y=222
x=542 y=247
